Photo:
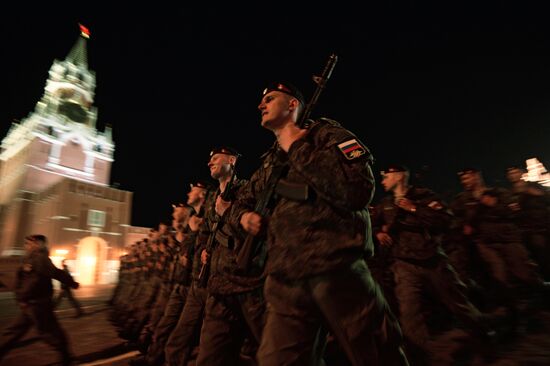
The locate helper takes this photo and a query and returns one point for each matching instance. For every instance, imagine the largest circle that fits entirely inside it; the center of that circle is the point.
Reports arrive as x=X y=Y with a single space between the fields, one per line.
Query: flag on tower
x=84 y=32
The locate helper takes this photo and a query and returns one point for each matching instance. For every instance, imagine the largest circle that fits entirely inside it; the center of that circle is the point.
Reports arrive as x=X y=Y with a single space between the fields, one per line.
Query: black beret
x=224 y=150
x=286 y=88
x=200 y=184
x=394 y=168
x=468 y=170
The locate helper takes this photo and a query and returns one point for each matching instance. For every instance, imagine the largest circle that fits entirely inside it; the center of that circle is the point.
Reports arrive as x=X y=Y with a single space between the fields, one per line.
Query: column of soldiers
x=308 y=275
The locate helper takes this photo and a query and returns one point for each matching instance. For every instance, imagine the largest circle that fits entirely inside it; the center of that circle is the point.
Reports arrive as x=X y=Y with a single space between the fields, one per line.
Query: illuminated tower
x=55 y=165
x=59 y=138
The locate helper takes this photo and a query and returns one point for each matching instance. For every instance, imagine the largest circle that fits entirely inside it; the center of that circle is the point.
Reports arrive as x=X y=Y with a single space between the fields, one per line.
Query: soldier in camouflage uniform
x=179 y=273
x=183 y=338
x=316 y=272
x=515 y=281
x=533 y=217
x=459 y=244
x=123 y=278
x=120 y=313
x=166 y=252
x=153 y=293
x=235 y=306
x=412 y=222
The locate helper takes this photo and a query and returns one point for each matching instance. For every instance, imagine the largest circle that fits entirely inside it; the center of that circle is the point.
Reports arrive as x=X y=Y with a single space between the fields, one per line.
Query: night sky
x=443 y=86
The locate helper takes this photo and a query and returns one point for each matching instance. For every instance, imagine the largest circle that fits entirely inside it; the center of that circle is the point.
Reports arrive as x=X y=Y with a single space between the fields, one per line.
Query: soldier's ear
x=293 y=104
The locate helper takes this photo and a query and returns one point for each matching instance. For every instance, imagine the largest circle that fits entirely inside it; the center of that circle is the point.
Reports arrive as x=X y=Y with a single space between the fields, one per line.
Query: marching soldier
x=33 y=291
x=316 y=241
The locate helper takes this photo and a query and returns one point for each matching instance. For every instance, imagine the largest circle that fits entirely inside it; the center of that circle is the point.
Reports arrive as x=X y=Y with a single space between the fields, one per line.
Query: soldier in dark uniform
x=149 y=302
x=162 y=260
x=123 y=278
x=514 y=277
x=380 y=265
x=180 y=275
x=235 y=307
x=33 y=292
x=412 y=222
x=183 y=337
x=316 y=272
x=459 y=244
x=533 y=217
x=67 y=292
x=139 y=280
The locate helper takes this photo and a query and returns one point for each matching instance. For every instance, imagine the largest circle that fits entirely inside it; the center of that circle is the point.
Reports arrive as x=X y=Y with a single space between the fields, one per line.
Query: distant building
x=54 y=177
x=536 y=172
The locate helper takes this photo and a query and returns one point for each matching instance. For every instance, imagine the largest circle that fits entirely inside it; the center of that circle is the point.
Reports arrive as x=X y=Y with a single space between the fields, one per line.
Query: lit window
x=96 y=218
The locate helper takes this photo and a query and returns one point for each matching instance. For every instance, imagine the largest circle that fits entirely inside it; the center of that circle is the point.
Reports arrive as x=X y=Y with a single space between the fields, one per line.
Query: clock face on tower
x=73 y=111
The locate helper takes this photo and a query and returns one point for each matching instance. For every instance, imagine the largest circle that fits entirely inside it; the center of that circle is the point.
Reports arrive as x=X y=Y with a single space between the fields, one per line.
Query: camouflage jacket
x=184 y=258
x=201 y=237
x=497 y=224
x=534 y=208
x=225 y=278
x=331 y=228
x=416 y=235
x=464 y=206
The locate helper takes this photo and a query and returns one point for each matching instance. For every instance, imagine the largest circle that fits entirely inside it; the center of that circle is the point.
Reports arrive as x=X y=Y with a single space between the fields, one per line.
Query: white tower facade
x=59 y=138
x=55 y=168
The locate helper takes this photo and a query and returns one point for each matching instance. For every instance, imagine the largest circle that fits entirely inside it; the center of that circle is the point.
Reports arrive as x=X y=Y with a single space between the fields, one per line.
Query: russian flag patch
x=352 y=149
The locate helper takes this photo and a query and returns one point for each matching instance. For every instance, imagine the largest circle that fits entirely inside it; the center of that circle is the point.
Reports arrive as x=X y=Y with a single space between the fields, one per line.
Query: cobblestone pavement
x=91 y=336
x=95 y=342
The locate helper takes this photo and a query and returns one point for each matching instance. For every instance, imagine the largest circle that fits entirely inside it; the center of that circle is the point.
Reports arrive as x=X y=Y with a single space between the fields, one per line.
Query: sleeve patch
x=352 y=149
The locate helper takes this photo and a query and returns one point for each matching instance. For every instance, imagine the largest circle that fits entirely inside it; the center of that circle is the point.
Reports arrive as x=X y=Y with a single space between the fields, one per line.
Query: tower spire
x=78 y=54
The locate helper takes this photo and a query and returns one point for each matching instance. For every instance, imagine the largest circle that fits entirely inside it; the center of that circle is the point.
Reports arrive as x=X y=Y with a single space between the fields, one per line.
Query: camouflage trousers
x=228 y=320
x=348 y=301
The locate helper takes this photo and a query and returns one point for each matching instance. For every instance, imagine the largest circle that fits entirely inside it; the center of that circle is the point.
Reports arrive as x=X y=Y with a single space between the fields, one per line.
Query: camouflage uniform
x=161 y=267
x=147 y=299
x=122 y=279
x=181 y=279
x=379 y=264
x=533 y=219
x=182 y=339
x=235 y=307
x=499 y=243
x=420 y=264
x=460 y=247
x=316 y=247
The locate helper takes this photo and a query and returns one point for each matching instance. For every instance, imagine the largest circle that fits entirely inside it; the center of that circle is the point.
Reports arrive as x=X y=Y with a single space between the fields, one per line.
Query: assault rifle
x=321 y=82
x=274 y=183
x=226 y=196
